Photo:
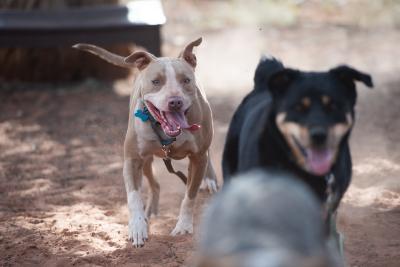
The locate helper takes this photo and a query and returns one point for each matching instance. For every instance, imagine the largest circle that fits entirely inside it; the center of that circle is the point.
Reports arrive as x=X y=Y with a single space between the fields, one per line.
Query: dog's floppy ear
x=187 y=53
x=348 y=75
x=280 y=81
x=140 y=59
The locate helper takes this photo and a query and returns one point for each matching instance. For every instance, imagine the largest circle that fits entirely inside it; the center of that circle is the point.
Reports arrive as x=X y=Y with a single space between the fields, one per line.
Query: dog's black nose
x=318 y=135
x=175 y=103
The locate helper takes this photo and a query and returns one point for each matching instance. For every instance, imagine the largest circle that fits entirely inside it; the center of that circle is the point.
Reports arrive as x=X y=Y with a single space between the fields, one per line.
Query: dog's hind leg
x=154 y=188
x=197 y=169
x=137 y=227
x=210 y=179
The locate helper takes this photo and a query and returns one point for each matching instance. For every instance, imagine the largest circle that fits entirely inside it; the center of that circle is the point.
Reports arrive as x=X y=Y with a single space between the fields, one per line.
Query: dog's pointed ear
x=280 y=81
x=348 y=75
x=140 y=59
x=187 y=53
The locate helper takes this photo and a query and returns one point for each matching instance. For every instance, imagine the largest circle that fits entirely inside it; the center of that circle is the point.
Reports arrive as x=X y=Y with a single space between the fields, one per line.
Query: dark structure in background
x=36 y=36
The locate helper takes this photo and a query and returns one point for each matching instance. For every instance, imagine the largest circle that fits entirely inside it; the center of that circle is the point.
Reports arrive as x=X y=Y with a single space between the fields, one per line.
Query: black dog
x=296 y=121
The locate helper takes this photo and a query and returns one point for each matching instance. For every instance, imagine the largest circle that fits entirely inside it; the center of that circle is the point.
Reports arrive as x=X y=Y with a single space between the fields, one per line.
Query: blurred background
x=63 y=116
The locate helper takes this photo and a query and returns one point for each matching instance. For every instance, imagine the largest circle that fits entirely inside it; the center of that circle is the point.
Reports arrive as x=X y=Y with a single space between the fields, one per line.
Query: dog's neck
x=143 y=113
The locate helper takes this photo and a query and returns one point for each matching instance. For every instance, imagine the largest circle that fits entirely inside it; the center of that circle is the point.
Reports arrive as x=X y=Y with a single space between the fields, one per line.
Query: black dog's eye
x=155 y=82
x=303 y=105
x=300 y=107
x=186 y=80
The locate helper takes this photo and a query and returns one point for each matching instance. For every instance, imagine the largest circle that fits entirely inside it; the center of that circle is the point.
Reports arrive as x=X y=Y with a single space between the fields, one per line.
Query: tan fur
x=339 y=130
x=290 y=130
x=301 y=133
x=141 y=143
x=104 y=54
x=326 y=100
x=306 y=102
x=188 y=55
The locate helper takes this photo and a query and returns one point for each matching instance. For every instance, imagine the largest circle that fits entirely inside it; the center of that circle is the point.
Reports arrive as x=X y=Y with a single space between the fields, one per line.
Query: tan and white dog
x=167 y=88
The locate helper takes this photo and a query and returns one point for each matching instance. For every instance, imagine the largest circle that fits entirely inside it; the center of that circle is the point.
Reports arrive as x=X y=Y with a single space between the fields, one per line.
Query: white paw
x=137 y=230
x=209 y=184
x=183 y=226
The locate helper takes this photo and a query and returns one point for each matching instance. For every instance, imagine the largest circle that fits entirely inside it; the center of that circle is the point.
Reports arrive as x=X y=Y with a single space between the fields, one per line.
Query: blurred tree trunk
x=57 y=63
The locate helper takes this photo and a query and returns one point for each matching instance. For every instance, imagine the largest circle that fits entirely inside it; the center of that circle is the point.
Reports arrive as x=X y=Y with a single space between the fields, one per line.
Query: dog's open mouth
x=172 y=122
x=318 y=161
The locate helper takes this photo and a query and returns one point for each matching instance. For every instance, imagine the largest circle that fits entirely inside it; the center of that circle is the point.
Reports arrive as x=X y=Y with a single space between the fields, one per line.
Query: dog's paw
x=137 y=230
x=183 y=226
x=209 y=184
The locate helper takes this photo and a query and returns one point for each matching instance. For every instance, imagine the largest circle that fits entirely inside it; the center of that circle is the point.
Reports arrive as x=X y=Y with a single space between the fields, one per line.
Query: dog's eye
x=301 y=108
x=186 y=80
x=155 y=82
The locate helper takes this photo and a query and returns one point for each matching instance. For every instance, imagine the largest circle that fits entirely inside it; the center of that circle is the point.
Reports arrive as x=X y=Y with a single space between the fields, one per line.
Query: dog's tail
x=104 y=54
x=266 y=67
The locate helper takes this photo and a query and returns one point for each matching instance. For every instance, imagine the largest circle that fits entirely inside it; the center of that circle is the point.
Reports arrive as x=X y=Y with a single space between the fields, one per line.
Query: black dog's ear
x=279 y=81
x=348 y=75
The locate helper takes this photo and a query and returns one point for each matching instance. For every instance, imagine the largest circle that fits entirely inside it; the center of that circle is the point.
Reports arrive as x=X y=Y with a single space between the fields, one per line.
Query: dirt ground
x=62 y=199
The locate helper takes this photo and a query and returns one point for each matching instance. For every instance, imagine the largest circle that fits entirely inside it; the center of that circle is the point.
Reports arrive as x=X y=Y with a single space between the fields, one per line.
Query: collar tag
x=142 y=114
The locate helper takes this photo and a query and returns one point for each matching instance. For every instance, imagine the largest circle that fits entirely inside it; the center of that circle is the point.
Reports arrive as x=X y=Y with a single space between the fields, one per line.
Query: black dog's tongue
x=319 y=160
x=174 y=123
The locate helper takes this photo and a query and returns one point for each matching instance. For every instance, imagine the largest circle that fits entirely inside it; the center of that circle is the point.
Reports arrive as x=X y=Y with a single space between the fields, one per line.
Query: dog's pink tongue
x=178 y=119
x=194 y=127
x=319 y=160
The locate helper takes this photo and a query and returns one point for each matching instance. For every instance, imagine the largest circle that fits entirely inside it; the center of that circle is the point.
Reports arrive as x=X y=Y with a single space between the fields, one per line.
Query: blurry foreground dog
x=265 y=220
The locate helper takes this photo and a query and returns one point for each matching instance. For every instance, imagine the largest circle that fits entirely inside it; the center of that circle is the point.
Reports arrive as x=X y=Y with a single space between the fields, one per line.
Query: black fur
x=254 y=139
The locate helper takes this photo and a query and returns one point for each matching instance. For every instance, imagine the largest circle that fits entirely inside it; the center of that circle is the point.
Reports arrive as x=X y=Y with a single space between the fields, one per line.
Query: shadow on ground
x=62 y=195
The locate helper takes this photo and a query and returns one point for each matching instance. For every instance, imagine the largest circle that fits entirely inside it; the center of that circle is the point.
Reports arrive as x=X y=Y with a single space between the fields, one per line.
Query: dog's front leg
x=197 y=168
x=137 y=228
x=210 y=179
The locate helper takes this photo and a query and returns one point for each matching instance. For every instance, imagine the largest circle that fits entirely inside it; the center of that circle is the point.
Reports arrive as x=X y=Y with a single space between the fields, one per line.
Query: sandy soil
x=62 y=200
